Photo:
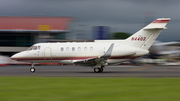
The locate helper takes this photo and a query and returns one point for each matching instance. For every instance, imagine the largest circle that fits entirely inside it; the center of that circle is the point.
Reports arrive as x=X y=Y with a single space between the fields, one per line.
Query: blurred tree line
x=121 y=35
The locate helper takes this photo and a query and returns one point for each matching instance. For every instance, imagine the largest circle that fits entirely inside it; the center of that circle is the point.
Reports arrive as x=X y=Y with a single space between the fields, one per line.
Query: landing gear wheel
x=32 y=70
x=101 y=70
x=96 y=70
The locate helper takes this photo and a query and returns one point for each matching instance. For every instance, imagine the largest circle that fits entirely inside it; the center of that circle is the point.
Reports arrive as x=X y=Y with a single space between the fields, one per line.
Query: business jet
x=97 y=54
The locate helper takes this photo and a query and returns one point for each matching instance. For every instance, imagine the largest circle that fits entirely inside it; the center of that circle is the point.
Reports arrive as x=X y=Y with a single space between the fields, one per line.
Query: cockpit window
x=39 y=47
x=30 y=48
x=35 y=48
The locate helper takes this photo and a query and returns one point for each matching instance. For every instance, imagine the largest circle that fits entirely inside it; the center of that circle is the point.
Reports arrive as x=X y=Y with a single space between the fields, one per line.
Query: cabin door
x=47 y=54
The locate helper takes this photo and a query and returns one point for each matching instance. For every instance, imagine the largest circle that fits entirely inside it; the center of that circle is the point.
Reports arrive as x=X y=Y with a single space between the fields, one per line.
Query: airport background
x=23 y=23
x=87 y=21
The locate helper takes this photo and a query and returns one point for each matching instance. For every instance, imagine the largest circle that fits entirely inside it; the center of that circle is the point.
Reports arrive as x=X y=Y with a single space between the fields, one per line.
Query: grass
x=89 y=89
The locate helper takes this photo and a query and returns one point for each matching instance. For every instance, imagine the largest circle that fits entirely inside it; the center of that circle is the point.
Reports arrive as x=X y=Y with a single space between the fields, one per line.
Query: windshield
x=30 y=48
x=34 y=48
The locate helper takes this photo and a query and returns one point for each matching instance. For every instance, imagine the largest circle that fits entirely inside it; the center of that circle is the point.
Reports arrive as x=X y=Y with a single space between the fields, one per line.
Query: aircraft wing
x=96 y=60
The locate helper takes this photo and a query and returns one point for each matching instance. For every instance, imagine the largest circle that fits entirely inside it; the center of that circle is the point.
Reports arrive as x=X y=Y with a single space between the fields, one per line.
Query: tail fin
x=145 y=37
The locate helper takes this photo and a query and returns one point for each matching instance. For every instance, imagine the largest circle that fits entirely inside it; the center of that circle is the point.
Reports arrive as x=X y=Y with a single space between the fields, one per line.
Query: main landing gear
x=32 y=69
x=98 y=70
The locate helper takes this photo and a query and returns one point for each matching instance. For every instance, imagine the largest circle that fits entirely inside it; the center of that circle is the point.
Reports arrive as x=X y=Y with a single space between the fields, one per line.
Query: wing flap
x=94 y=61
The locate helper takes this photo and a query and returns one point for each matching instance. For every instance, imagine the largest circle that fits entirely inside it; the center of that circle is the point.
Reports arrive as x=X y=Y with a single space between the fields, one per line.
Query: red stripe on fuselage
x=51 y=58
x=69 y=58
x=161 y=21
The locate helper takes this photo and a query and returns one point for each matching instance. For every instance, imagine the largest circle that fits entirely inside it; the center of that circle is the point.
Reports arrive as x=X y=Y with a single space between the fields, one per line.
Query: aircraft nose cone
x=13 y=57
x=16 y=56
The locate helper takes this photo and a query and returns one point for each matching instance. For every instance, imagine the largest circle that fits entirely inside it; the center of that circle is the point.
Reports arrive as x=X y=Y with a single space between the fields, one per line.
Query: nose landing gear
x=32 y=69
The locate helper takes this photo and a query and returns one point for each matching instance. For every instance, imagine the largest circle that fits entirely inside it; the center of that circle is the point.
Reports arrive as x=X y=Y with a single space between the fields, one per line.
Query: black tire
x=96 y=70
x=32 y=70
x=101 y=70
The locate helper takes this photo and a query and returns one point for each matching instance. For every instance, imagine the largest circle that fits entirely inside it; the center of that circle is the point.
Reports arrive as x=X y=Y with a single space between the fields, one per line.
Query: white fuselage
x=67 y=53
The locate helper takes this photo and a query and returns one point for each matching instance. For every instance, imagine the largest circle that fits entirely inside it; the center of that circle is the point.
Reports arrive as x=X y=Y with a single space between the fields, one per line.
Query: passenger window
x=91 y=48
x=85 y=48
x=35 y=48
x=73 y=49
x=62 y=49
x=67 y=49
x=79 y=48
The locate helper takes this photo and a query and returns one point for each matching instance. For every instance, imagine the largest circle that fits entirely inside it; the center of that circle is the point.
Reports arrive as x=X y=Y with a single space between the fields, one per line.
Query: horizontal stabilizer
x=158 y=24
x=160 y=28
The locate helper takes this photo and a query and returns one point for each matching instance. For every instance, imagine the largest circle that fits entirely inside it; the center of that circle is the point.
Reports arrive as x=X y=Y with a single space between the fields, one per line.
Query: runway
x=77 y=71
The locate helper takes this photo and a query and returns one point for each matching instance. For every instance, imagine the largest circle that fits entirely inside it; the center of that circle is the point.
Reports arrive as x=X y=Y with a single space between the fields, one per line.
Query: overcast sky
x=120 y=15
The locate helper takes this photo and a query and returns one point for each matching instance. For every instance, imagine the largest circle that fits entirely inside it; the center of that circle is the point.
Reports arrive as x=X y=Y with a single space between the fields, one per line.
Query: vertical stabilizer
x=145 y=37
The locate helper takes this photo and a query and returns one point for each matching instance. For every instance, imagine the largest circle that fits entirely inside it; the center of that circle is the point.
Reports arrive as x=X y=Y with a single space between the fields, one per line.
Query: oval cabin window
x=91 y=48
x=73 y=49
x=85 y=48
x=79 y=48
x=62 y=49
x=67 y=49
